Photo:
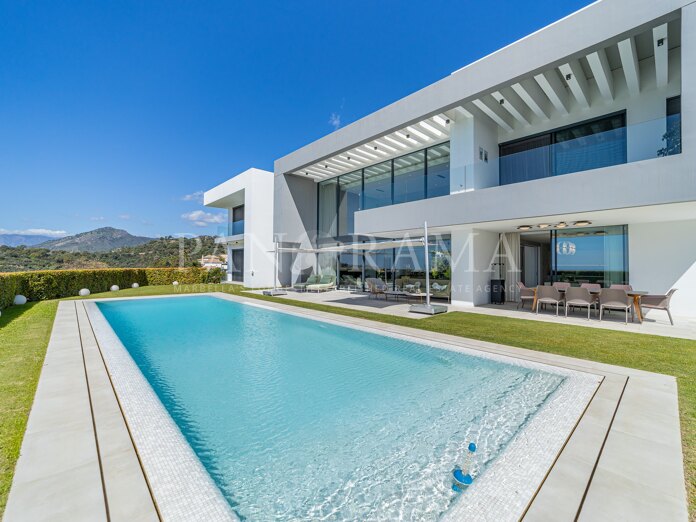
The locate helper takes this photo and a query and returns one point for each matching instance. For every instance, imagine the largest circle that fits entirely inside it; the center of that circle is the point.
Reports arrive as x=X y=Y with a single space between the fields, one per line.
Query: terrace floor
x=655 y=322
x=623 y=460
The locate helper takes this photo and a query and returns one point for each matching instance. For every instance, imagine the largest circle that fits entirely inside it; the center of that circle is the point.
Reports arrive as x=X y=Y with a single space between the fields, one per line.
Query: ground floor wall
x=257 y=270
x=663 y=256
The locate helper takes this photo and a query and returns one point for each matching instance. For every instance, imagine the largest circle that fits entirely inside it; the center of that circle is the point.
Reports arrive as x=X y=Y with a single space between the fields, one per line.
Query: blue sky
x=121 y=113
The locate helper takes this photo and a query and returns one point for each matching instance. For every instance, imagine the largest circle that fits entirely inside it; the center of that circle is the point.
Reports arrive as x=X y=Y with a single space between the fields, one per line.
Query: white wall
x=258 y=231
x=663 y=256
x=467 y=170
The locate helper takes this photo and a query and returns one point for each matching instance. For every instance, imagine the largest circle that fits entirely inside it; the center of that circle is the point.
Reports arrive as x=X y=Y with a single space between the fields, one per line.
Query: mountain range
x=102 y=239
x=14 y=240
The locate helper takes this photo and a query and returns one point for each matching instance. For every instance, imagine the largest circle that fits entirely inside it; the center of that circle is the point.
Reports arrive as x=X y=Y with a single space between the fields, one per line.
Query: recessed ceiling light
x=348 y=158
x=543 y=225
x=447 y=121
x=524 y=227
x=375 y=147
x=582 y=223
x=408 y=136
x=568 y=76
x=562 y=224
x=660 y=42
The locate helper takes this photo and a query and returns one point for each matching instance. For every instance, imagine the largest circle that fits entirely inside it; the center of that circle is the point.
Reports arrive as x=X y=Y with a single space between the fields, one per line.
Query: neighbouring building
x=568 y=155
x=213 y=261
x=248 y=236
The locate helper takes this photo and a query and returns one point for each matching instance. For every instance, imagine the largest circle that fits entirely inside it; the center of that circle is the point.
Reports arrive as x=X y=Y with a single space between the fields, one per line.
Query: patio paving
x=655 y=323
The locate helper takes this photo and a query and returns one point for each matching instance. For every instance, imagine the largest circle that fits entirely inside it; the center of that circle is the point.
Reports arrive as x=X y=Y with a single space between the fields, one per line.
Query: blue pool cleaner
x=462 y=475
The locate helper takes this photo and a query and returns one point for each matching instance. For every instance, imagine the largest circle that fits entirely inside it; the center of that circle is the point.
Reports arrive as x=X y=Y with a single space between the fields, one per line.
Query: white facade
x=597 y=90
x=249 y=243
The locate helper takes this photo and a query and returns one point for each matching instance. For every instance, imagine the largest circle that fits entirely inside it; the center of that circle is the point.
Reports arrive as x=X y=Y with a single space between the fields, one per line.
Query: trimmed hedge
x=53 y=284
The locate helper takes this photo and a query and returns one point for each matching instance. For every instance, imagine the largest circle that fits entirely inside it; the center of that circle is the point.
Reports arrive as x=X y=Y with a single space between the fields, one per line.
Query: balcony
x=595 y=144
x=236 y=228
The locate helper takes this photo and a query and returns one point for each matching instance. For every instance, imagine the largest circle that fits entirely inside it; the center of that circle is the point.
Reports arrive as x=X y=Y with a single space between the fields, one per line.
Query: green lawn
x=24 y=333
x=22 y=349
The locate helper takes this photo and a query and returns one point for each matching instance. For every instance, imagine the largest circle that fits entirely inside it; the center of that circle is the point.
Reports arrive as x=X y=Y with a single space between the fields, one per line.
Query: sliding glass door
x=591 y=255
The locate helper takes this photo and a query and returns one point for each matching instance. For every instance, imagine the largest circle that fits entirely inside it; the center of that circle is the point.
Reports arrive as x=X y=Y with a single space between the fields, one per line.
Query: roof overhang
x=477 y=88
x=231 y=193
x=370 y=246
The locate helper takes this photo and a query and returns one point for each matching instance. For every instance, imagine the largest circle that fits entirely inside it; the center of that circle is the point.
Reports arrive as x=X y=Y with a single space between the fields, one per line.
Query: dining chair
x=658 y=302
x=615 y=299
x=526 y=294
x=578 y=296
x=594 y=289
x=561 y=285
x=548 y=295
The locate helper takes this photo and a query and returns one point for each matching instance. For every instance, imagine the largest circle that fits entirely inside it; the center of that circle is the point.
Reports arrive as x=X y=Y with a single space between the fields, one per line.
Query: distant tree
x=672 y=139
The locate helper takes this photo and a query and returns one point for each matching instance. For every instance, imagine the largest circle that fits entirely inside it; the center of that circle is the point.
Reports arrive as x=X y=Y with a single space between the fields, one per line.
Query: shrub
x=54 y=284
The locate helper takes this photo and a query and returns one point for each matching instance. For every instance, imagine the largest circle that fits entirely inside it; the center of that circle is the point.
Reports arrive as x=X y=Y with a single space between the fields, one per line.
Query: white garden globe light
x=135 y=285
x=114 y=288
x=20 y=300
x=83 y=292
x=175 y=283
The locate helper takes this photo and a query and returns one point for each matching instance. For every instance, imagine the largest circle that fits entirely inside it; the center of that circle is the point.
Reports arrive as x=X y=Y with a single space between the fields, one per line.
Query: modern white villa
x=561 y=157
x=560 y=164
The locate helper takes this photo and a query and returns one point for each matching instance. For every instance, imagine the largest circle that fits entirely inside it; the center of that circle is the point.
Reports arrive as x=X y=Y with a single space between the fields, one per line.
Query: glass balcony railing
x=576 y=153
x=236 y=228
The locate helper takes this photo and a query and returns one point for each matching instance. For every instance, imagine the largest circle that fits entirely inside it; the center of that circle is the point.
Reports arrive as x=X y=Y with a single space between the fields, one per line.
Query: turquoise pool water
x=297 y=419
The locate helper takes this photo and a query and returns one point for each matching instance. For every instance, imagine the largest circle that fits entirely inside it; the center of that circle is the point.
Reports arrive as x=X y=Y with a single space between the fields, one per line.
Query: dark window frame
x=424 y=150
x=551 y=134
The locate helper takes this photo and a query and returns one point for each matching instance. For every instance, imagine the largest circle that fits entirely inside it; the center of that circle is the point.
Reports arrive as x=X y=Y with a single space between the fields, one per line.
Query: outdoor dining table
x=635 y=294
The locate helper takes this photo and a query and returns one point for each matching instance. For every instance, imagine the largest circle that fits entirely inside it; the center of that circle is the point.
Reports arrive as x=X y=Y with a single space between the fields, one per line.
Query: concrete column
x=473 y=251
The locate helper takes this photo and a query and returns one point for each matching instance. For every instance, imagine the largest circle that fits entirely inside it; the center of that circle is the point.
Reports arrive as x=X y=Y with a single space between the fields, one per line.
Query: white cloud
x=203 y=219
x=124 y=216
x=97 y=218
x=194 y=196
x=36 y=232
x=335 y=120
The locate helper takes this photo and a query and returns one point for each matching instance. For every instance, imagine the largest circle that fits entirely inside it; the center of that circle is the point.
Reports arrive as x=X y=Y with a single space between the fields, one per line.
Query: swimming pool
x=301 y=419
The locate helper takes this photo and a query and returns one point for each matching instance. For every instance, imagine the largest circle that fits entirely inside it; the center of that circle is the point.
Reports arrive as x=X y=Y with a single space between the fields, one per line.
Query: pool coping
x=623 y=460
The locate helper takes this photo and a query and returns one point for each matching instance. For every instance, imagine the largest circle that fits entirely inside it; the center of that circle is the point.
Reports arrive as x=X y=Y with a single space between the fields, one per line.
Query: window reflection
x=377 y=192
x=412 y=177
x=409 y=177
x=439 y=170
x=591 y=255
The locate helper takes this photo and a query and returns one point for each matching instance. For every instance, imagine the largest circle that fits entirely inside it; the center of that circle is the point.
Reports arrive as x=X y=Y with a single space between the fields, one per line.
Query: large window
x=349 y=201
x=377 y=185
x=591 y=255
x=327 y=208
x=414 y=176
x=237 y=265
x=409 y=177
x=589 y=145
x=438 y=170
x=237 y=224
x=672 y=137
